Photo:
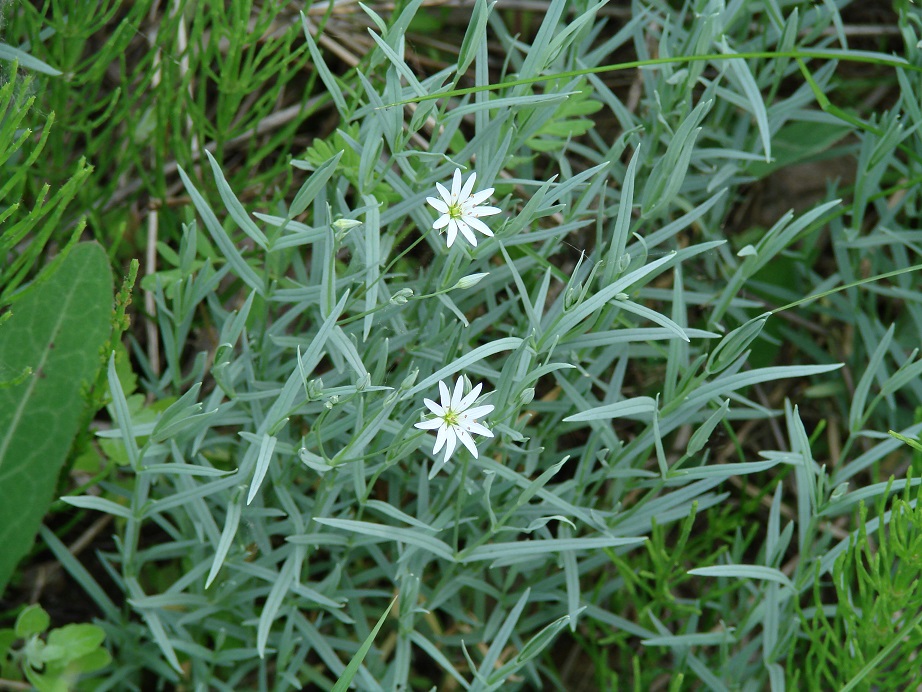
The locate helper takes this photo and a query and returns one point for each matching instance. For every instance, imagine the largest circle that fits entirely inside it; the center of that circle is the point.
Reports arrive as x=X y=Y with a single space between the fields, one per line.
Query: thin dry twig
x=45 y=572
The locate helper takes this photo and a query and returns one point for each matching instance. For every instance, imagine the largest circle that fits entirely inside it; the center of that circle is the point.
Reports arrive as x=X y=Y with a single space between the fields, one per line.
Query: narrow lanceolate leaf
x=231 y=521
x=234 y=207
x=372 y=260
x=222 y=239
x=621 y=409
x=745 y=572
x=380 y=532
x=57 y=331
x=352 y=669
x=527 y=549
x=26 y=61
x=266 y=447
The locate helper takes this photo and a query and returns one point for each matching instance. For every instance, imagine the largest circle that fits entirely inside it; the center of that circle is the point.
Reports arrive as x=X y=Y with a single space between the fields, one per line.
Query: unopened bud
x=526 y=396
x=341 y=228
x=469 y=281
x=315 y=389
x=840 y=490
x=571 y=297
x=401 y=296
x=345 y=225
x=410 y=379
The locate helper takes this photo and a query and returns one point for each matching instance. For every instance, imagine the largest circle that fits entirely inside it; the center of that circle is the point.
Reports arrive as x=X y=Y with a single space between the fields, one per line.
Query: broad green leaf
x=32 y=620
x=57 y=330
x=77 y=639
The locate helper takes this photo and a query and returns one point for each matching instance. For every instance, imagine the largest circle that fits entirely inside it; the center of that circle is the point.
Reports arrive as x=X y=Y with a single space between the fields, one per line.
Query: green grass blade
x=353 y=668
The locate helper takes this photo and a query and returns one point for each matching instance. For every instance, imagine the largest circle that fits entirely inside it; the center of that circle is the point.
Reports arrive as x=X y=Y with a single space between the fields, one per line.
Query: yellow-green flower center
x=454 y=211
x=450 y=417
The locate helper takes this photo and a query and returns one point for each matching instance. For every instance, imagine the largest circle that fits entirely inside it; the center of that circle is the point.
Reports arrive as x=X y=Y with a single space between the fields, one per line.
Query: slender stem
x=677 y=60
x=394 y=261
x=445 y=489
x=459 y=498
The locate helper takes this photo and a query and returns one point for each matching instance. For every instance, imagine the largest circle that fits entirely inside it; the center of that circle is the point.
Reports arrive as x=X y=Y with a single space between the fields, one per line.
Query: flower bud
x=410 y=379
x=571 y=297
x=345 y=225
x=315 y=389
x=526 y=396
x=401 y=296
x=469 y=281
x=840 y=490
x=341 y=228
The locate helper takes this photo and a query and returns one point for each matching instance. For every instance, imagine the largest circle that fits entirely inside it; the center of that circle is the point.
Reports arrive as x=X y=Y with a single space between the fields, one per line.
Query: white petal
x=445 y=394
x=458 y=394
x=434 y=407
x=481 y=196
x=468 y=186
x=446 y=195
x=456 y=185
x=484 y=211
x=441 y=222
x=450 y=442
x=440 y=438
x=474 y=427
x=477 y=225
x=439 y=205
x=478 y=411
x=429 y=424
x=470 y=398
x=467 y=232
x=451 y=231
x=466 y=440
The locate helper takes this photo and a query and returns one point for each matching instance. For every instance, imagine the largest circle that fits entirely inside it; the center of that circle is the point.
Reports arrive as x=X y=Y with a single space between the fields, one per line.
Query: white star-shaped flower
x=455 y=419
x=460 y=211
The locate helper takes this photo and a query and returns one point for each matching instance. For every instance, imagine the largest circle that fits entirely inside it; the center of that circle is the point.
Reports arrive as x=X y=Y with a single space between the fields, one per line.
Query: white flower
x=455 y=419
x=459 y=210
